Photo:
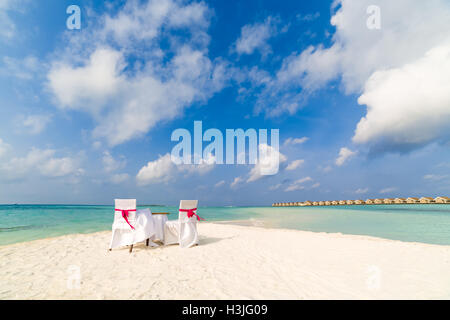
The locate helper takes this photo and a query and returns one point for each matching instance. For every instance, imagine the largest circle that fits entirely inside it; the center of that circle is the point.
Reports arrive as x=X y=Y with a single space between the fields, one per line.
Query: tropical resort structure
x=410 y=200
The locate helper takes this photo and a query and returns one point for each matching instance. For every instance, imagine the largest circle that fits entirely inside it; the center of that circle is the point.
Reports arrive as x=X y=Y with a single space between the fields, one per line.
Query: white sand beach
x=231 y=262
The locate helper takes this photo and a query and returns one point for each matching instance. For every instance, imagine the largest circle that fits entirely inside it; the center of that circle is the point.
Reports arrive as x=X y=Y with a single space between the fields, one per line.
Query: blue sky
x=361 y=98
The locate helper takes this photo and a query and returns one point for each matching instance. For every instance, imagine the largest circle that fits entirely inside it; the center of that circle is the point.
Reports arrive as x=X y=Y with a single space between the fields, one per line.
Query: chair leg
x=131 y=248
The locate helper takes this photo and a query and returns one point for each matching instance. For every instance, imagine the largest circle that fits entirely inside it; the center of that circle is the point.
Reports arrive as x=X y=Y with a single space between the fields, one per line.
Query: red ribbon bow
x=191 y=213
x=125 y=215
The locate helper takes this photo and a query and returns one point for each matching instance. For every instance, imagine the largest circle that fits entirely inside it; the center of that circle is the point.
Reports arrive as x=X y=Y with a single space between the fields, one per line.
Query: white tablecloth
x=159 y=221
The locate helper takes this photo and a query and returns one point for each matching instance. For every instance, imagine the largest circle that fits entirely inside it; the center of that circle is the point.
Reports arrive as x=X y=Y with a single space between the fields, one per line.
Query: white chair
x=129 y=227
x=184 y=230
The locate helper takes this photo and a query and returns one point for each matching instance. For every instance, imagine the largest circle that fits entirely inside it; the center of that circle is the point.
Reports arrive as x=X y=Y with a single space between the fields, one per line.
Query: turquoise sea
x=428 y=223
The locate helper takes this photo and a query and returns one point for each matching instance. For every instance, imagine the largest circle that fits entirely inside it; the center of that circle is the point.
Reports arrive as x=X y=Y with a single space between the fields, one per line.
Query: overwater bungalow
x=307 y=203
x=378 y=201
x=321 y=203
x=442 y=200
x=328 y=203
x=350 y=202
x=412 y=200
x=400 y=200
x=426 y=200
x=315 y=203
x=359 y=202
x=334 y=202
x=388 y=201
x=370 y=201
x=342 y=202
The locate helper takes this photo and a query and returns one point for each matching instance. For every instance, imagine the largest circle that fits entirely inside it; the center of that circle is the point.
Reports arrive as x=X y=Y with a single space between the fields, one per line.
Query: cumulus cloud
x=295 y=164
x=408 y=106
x=24 y=69
x=163 y=170
x=344 y=155
x=269 y=162
x=255 y=37
x=400 y=71
x=111 y=164
x=127 y=97
x=43 y=162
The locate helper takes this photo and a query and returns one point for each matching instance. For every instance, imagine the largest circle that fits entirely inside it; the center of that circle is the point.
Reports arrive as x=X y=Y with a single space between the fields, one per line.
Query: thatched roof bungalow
x=370 y=201
x=328 y=203
x=412 y=200
x=350 y=202
x=321 y=203
x=378 y=201
x=359 y=202
x=442 y=200
x=400 y=200
x=307 y=203
x=341 y=202
x=426 y=200
x=389 y=200
x=334 y=202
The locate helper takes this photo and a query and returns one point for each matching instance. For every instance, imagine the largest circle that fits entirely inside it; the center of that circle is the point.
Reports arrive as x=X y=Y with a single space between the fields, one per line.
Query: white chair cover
x=183 y=230
x=142 y=221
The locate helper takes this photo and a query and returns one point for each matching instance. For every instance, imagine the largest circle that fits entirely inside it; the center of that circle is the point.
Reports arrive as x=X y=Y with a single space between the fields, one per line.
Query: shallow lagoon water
x=427 y=223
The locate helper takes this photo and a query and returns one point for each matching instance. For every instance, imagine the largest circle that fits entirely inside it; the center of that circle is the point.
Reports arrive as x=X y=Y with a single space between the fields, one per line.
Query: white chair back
x=124 y=204
x=188 y=235
x=186 y=205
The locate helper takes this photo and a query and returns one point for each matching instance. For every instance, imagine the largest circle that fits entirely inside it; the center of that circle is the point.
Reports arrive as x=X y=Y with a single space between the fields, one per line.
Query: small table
x=160 y=219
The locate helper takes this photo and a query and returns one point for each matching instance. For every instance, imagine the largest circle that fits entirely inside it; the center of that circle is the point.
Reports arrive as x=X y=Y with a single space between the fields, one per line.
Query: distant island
x=410 y=200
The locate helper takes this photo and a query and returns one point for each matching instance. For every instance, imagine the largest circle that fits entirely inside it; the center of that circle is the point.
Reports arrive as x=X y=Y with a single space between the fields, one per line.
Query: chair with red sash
x=123 y=230
x=184 y=230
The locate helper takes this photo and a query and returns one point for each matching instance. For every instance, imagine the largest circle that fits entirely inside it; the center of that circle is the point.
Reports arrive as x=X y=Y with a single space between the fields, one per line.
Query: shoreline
x=243 y=223
x=231 y=262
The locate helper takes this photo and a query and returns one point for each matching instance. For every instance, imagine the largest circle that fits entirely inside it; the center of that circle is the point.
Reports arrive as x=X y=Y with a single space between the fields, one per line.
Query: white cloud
x=110 y=164
x=219 y=184
x=420 y=111
x=315 y=185
x=388 y=190
x=164 y=170
x=42 y=161
x=275 y=187
x=160 y=170
x=295 y=141
x=8 y=28
x=299 y=184
x=24 y=69
x=361 y=190
x=4 y=147
x=344 y=155
x=236 y=182
x=255 y=36
x=119 y=178
x=295 y=164
x=269 y=161
x=34 y=124
x=401 y=71
x=128 y=97
x=435 y=177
